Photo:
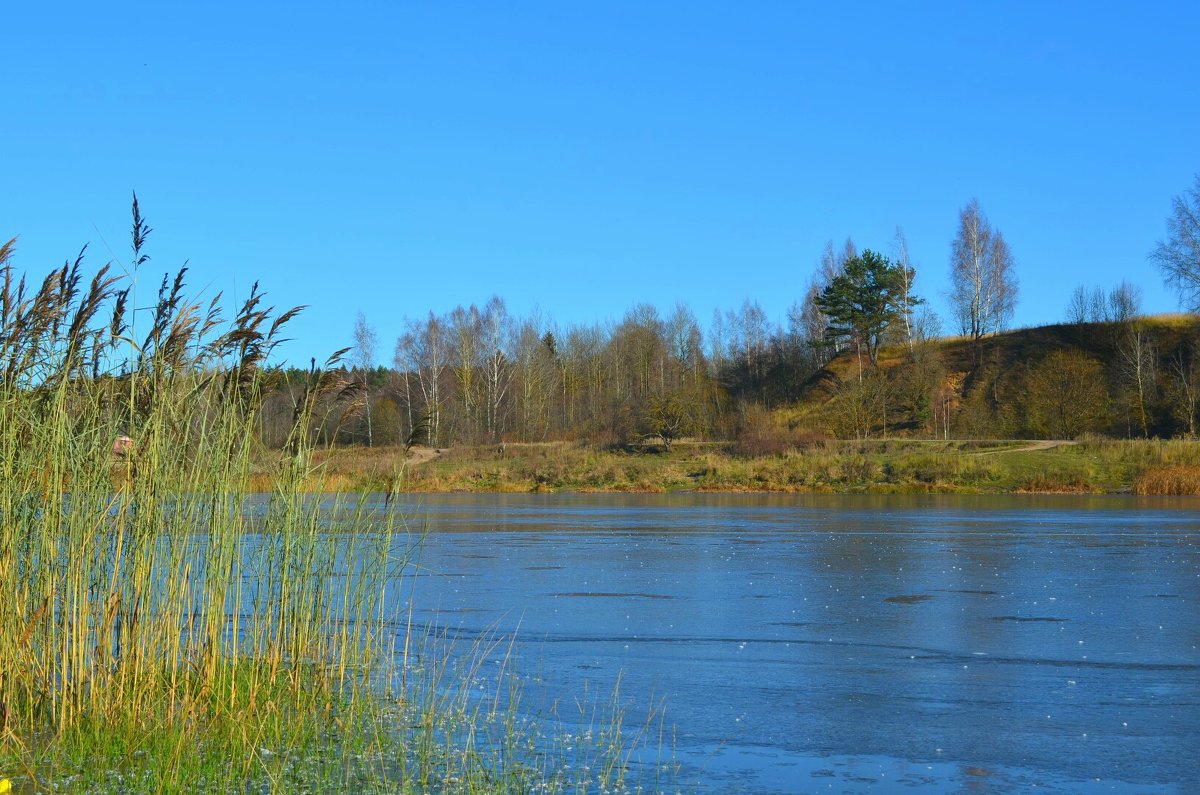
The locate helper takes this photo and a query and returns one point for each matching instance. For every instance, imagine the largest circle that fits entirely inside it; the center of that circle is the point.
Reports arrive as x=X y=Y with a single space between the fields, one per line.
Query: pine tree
x=869 y=295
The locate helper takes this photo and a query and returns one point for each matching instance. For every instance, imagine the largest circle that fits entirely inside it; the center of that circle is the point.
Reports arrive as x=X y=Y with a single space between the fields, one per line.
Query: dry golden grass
x=1050 y=485
x=1169 y=481
x=1171 y=319
x=804 y=464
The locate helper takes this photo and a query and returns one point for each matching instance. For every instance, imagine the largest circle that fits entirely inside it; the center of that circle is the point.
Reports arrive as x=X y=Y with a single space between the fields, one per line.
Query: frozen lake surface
x=849 y=644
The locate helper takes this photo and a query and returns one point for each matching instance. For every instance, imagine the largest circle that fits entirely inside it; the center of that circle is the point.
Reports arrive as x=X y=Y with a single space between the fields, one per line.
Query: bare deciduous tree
x=1065 y=395
x=1137 y=359
x=1120 y=305
x=1187 y=385
x=718 y=343
x=859 y=408
x=423 y=349
x=984 y=283
x=832 y=264
x=365 y=343
x=752 y=326
x=686 y=341
x=907 y=274
x=466 y=333
x=496 y=331
x=1077 y=307
x=1178 y=256
x=535 y=351
x=1124 y=303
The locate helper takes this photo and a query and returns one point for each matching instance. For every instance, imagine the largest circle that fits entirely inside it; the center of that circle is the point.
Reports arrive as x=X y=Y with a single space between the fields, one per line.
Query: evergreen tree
x=869 y=295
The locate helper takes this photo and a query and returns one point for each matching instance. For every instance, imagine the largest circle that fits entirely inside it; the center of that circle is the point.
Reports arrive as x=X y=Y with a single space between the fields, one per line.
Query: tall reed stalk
x=163 y=629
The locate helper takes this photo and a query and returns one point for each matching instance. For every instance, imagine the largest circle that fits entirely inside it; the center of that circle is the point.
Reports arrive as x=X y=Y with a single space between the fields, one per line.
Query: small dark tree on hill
x=1066 y=395
x=668 y=418
x=869 y=295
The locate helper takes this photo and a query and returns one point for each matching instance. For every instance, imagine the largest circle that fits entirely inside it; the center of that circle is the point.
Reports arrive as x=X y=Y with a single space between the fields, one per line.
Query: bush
x=759 y=442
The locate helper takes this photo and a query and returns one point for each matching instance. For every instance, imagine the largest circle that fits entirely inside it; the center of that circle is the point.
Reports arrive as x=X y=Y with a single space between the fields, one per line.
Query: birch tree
x=535 y=351
x=983 y=280
x=907 y=274
x=466 y=334
x=830 y=266
x=1137 y=360
x=1186 y=376
x=1178 y=257
x=686 y=341
x=365 y=343
x=496 y=329
x=755 y=334
x=424 y=350
x=718 y=344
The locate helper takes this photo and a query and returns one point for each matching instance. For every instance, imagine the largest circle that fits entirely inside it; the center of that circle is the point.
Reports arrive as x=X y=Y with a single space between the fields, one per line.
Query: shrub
x=759 y=442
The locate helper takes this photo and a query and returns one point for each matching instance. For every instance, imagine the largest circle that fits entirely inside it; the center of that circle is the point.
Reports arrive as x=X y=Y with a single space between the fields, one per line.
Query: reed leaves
x=165 y=630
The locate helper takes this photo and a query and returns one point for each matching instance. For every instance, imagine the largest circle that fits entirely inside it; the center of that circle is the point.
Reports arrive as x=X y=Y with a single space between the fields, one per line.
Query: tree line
x=482 y=375
x=860 y=354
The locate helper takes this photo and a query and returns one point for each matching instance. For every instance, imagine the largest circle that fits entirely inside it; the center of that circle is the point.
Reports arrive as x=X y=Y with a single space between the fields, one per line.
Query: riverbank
x=882 y=466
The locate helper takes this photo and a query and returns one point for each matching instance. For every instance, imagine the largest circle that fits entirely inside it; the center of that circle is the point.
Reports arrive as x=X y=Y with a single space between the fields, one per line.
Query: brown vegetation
x=1169 y=481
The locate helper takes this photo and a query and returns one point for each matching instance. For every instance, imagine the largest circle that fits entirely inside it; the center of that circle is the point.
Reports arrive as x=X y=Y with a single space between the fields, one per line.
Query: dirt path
x=1047 y=444
x=1039 y=444
x=423 y=455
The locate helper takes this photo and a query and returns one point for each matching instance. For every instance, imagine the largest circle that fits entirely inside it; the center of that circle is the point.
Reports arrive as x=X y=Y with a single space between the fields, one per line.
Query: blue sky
x=577 y=158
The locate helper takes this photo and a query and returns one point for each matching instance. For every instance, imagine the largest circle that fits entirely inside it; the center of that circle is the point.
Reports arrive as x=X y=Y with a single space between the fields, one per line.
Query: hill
x=1138 y=378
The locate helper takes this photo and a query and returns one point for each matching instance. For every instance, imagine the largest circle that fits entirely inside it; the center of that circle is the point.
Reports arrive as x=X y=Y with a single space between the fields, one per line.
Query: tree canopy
x=865 y=299
x=982 y=274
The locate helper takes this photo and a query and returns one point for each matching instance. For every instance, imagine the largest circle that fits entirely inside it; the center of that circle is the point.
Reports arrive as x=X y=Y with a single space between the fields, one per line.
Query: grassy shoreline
x=898 y=466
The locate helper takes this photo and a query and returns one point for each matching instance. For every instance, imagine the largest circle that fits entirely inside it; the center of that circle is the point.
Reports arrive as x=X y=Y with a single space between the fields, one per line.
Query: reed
x=1169 y=481
x=166 y=630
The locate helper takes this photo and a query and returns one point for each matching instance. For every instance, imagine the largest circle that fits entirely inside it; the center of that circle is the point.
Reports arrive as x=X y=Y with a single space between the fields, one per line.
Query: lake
x=848 y=644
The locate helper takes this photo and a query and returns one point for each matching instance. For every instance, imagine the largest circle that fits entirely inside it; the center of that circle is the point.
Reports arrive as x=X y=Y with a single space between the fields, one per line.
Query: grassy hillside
x=947 y=388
